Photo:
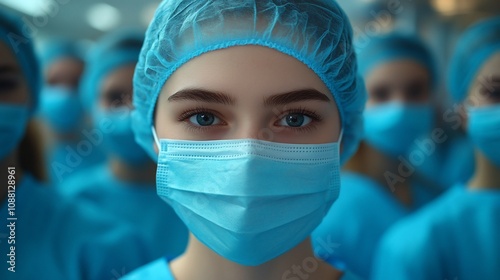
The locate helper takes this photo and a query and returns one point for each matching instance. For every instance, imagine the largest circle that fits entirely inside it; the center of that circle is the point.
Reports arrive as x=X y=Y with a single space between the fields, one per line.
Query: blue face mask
x=13 y=122
x=61 y=108
x=248 y=200
x=484 y=131
x=392 y=127
x=118 y=139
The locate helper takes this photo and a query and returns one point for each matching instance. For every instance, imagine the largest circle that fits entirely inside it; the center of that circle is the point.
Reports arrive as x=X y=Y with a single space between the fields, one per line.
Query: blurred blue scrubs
x=157 y=270
x=64 y=160
x=349 y=234
x=455 y=237
x=56 y=238
x=136 y=204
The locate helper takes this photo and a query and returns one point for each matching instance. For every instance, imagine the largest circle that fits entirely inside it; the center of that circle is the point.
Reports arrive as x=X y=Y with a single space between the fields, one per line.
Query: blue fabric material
x=12 y=34
x=392 y=127
x=114 y=50
x=484 y=131
x=61 y=108
x=447 y=164
x=119 y=141
x=390 y=47
x=64 y=159
x=13 y=121
x=135 y=204
x=57 y=238
x=232 y=193
x=316 y=33
x=58 y=48
x=157 y=270
x=454 y=237
x=349 y=234
x=478 y=43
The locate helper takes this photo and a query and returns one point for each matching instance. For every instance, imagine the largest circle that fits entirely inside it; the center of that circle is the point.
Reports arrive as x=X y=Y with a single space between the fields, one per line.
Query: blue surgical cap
x=390 y=47
x=60 y=48
x=13 y=35
x=113 y=51
x=315 y=32
x=474 y=47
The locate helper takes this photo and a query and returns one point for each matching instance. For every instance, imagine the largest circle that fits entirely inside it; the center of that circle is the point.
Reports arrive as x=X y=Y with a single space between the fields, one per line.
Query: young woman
x=250 y=108
x=43 y=235
x=126 y=181
x=458 y=235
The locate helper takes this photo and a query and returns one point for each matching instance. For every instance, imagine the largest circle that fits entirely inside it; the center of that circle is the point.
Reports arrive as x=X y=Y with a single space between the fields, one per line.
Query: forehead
x=119 y=76
x=64 y=64
x=246 y=71
x=396 y=72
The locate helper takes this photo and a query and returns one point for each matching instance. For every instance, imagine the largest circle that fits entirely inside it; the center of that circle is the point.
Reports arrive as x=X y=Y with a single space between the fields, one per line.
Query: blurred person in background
x=124 y=185
x=400 y=75
x=62 y=112
x=458 y=235
x=46 y=236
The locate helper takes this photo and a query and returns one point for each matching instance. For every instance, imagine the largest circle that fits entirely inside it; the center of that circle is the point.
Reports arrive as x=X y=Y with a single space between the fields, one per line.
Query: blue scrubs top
x=157 y=270
x=63 y=160
x=350 y=232
x=136 y=204
x=56 y=238
x=451 y=163
x=455 y=237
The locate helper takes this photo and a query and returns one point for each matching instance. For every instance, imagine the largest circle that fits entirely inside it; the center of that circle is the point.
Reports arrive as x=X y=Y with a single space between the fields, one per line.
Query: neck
x=140 y=174
x=298 y=263
x=486 y=175
x=10 y=161
x=385 y=170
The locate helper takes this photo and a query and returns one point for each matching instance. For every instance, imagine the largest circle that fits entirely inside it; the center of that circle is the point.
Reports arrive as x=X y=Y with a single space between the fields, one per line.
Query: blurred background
x=438 y=22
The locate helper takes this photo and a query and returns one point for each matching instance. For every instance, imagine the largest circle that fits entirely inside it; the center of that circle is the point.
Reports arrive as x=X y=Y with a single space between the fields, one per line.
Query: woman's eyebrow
x=202 y=95
x=295 y=96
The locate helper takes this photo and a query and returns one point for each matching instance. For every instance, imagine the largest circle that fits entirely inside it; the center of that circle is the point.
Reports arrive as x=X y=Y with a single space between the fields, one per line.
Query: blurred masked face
x=485 y=89
x=14 y=102
x=483 y=110
x=13 y=86
x=65 y=72
x=247 y=92
x=398 y=109
x=116 y=88
x=401 y=80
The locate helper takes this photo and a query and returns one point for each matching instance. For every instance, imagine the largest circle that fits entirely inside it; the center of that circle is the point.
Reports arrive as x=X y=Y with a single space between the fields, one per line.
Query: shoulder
x=422 y=233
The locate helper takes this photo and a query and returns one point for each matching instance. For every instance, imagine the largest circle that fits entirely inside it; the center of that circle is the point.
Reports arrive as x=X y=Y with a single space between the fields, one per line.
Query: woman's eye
x=295 y=120
x=380 y=94
x=8 y=84
x=204 y=119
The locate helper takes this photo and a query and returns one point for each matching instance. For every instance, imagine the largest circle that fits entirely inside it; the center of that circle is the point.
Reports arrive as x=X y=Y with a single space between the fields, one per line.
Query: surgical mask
x=484 y=131
x=393 y=127
x=13 y=122
x=118 y=138
x=248 y=200
x=61 y=108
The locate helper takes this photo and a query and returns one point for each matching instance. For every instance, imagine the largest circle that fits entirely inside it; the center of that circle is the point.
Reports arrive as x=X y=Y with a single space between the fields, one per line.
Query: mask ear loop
x=155 y=137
